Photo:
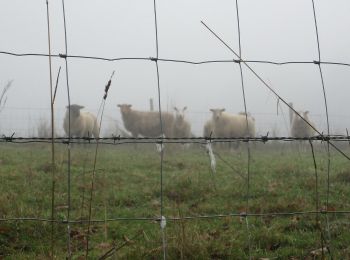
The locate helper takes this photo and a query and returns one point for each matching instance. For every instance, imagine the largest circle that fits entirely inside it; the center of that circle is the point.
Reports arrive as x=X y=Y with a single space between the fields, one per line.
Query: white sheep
x=298 y=127
x=229 y=125
x=182 y=127
x=82 y=123
x=208 y=128
x=146 y=123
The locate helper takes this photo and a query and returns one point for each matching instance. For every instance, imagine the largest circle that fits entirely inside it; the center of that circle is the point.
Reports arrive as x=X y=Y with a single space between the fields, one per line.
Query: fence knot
x=317 y=62
x=325 y=138
x=115 y=138
x=265 y=138
x=153 y=59
x=86 y=138
x=323 y=210
x=8 y=138
x=64 y=56
x=237 y=61
x=209 y=138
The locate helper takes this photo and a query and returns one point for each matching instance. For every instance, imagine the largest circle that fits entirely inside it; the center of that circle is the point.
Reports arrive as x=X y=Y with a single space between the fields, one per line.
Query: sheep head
x=304 y=116
x=217 y=113
x=74 y=110
x=300 y=120
x=124 y=108
x=180 y=115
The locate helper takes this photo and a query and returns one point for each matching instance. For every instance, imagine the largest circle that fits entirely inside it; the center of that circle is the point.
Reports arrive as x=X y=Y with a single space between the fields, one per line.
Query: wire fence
x=331 y=141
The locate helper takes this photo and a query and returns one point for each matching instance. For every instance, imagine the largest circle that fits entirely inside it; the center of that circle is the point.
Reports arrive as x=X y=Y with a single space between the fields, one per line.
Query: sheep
x=298 y=127
x=228 y=125
x=82 y=124
x=182 y=128
x=208 y=128
x=146 y=123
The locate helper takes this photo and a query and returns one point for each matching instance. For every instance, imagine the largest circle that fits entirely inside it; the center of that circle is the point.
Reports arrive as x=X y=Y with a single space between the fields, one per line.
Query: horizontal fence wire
x=173 y=60
x=122 y=140
x=158 y=140
x=158 y=219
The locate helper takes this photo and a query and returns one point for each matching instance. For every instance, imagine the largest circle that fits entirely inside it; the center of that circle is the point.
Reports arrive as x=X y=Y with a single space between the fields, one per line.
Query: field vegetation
x=127 y=185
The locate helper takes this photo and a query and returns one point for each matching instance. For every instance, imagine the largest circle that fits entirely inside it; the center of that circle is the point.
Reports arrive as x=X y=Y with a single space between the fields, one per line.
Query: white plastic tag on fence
x=159 y=147
x=162 y=222
x=211 y=156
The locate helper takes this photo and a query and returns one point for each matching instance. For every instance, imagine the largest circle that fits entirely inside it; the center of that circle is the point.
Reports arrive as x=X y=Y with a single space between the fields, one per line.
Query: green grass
x=127 y=185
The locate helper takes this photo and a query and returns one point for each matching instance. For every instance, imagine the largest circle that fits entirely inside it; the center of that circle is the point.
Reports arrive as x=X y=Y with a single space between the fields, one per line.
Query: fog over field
x=271 y=30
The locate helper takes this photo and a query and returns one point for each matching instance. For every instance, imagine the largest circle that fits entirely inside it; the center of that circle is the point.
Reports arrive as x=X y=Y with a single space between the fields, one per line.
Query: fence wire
x=119 y=140
x=191 y=62
x=330 y=140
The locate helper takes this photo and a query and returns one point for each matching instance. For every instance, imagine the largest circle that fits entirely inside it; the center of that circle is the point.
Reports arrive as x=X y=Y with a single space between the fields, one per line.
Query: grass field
x=127 y=185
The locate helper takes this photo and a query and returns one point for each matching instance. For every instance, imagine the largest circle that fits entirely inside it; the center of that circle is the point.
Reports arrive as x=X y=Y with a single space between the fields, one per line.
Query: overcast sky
x=271 y=30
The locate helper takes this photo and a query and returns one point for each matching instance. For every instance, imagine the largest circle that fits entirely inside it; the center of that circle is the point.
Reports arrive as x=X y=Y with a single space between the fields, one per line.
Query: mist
x=271 y=30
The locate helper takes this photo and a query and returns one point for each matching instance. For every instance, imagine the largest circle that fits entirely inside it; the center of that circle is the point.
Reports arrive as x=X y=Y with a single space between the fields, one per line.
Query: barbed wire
x=157 y=140
x=119 y=140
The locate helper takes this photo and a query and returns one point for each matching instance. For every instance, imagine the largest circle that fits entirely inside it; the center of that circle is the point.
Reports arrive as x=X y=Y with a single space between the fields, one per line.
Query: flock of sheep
x=147 y=123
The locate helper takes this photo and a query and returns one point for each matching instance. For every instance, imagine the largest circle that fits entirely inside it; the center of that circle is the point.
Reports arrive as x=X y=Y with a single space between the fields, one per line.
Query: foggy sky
x=271 y=30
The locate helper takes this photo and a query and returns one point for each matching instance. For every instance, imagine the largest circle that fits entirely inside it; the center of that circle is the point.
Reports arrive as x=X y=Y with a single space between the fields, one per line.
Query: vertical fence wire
x=53 y=164
x=162 y=218
x=161 y=140
x=321 y=135
x=69 y=251
x=247 y=125
x=318 y=62
x=317 y=200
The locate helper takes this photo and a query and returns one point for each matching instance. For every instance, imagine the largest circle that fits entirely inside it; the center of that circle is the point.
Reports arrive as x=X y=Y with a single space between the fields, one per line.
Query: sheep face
x=74 y=110
x=301 y=126
x=303 y=116
x=125 y=108
x=217 y=113
x=80 y=123
x=180 y=114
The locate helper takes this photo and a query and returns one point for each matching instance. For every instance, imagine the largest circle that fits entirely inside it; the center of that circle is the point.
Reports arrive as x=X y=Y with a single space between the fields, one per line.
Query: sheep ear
x=80 y=107
x=222 y=110
x=184 y=108
x=175 y=108
x=212 y=110
x=119 y=105
x=129 y=105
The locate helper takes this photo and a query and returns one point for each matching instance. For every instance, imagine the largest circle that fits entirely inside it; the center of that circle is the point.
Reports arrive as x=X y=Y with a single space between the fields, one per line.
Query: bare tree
x=3 y=98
